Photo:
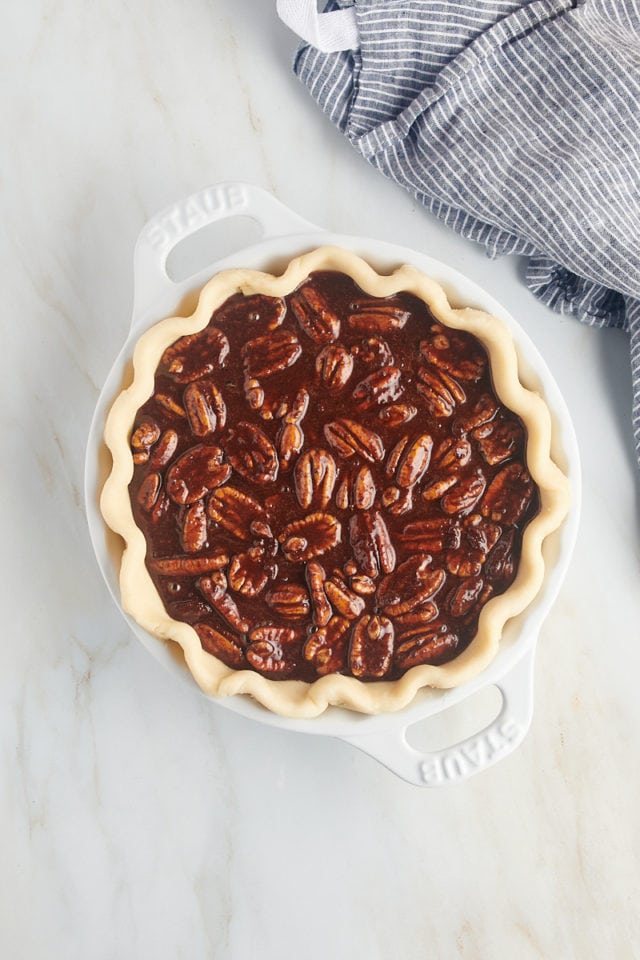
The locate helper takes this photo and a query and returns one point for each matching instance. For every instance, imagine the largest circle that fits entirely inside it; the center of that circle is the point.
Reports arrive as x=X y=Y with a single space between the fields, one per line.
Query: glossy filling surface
x=327 y=483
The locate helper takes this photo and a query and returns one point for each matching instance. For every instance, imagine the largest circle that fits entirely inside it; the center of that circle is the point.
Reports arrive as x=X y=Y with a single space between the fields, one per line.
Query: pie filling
x=328 y=484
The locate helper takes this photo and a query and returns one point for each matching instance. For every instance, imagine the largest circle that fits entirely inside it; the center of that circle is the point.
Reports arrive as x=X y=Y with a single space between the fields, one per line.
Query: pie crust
x=298 y=698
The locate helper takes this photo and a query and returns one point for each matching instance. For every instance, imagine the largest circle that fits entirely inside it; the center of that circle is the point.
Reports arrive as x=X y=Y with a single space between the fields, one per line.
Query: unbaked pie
x=332 y=486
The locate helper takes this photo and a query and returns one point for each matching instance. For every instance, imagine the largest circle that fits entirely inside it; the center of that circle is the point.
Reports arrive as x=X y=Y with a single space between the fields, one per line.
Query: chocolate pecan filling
x=327 y=483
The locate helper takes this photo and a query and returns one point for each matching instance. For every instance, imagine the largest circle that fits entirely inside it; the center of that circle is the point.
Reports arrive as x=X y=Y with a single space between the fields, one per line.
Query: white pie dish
x=284 y=236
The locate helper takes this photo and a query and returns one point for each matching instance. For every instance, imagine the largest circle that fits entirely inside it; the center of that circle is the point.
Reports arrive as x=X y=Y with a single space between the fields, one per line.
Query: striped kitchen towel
x=517 y=124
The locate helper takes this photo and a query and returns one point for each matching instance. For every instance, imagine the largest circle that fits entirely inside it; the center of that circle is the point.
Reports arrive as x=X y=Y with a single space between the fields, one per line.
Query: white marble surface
x=137 y=819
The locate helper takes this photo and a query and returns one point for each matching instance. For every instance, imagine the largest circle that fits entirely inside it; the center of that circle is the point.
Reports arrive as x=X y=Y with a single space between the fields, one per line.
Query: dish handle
x=462 y=760
x=220 y=201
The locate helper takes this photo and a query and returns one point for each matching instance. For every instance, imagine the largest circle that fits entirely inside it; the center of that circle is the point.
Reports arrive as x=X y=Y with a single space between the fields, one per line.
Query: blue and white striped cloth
x=517 y=124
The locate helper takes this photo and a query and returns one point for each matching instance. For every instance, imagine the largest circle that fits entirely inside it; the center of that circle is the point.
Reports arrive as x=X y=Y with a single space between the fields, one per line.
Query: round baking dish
x=283 y=236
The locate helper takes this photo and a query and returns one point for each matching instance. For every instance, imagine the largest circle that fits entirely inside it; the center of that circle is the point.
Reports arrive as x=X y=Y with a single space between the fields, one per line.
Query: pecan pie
x=332 y=486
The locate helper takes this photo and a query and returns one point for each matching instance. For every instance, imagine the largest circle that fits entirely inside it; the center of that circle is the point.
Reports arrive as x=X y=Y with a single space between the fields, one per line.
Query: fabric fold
x=515 y=123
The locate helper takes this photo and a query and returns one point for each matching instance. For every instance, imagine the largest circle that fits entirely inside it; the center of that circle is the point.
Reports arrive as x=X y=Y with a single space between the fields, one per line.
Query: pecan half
x=251 y=453
x=362 y=585
x=435 y=644
x=170 y=404
x=334 y=364
x=501 y=563
x=314 y=315
x=326 y=648
x=289 y=600
x=380 y=387
x=220 y=645
x=437 y=392
x=412 y=622
x=371 y=543
x=509 y=495
x=316 y=576
x=164 y=449
x=465 y=561
x=481 y=533
x=189 y=611
x=371 y=647
x=253 y=392
x=349 y=437
x=248 y=572
x=431 y=536
x=189 y=566
x=410 y=585
x=455 y=354
x=298 y=408
x=271 y=633
x=397 y=413
x=206 y=410
x=364 y=489
x=145 y=435
x=482 y=411
x=271 y=649
x=310 y=537
x=344 y=601
x=290 y=443
x=258 y=309
x=193 y=535
x=462 y=497
x=235 y=511
x=376 y=316
x=357 y=490
x=397 y=501
x=160 y=507
x=437 y=489
x=149 y=491
x=499 y=440
x=391 y=464
x=452 y=453
x=314 y=477
x=196 y=472
x=465 y=596
x=264 y=356
x=414 y=461
x=214 y=591
x=196 y=355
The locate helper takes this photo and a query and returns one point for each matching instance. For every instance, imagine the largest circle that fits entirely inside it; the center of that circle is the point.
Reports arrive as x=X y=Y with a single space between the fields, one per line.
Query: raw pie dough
x=297 y=698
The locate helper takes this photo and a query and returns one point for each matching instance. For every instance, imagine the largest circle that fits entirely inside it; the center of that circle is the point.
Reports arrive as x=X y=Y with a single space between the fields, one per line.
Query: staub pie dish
x=332 y=487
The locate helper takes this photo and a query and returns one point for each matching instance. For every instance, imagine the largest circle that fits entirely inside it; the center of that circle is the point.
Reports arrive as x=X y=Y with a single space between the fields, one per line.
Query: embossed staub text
x=472 y=756
x=183 y=218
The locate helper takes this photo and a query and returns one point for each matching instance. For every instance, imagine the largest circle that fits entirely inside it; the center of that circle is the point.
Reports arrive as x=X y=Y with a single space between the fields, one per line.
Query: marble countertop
x=138 y=819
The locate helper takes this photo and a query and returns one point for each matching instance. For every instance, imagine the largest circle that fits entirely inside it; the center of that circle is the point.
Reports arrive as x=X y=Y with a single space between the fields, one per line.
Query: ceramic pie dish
x=346 y=406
